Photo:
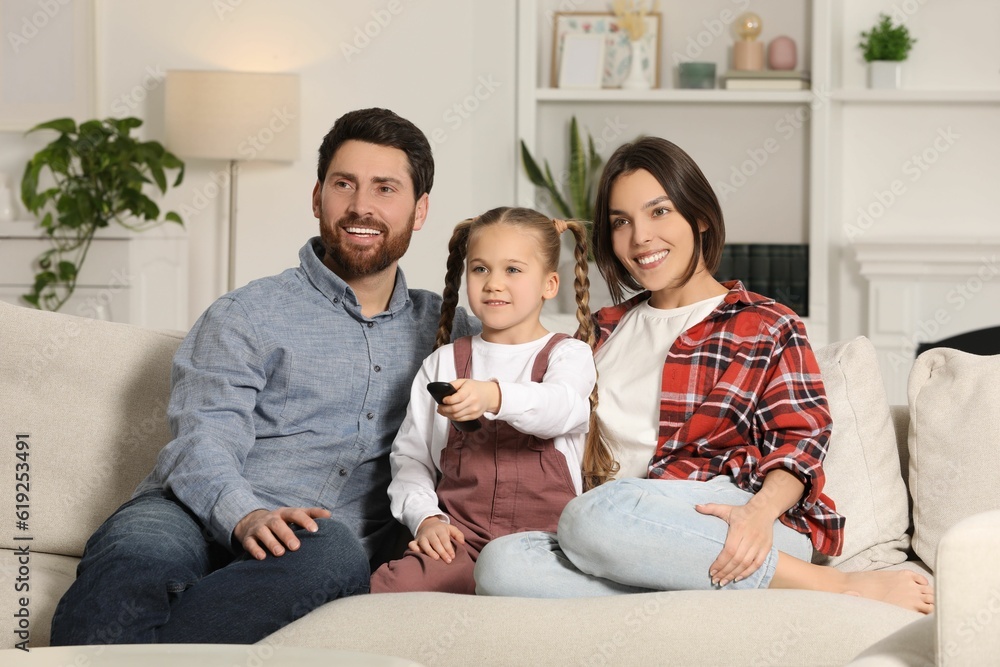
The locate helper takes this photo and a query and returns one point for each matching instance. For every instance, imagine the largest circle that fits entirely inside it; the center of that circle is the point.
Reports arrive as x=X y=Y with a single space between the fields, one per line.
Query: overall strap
x=462 y=348
x=542 y=360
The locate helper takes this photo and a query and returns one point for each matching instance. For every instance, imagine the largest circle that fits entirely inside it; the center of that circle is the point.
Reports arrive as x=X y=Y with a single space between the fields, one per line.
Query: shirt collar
x=333 y=286
x=739 y=297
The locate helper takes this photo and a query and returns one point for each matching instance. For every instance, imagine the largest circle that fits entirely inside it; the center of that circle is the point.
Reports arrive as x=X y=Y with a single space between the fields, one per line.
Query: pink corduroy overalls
x=494 y=482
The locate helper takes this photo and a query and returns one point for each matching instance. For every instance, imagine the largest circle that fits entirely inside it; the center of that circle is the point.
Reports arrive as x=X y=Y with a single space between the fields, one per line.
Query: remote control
x=441 y=389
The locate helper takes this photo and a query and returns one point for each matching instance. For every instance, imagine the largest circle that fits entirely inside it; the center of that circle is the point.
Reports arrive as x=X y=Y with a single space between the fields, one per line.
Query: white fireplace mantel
x=926 y=289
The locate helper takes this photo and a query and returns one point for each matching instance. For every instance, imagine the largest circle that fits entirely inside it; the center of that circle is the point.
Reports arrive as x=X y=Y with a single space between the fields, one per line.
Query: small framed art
x=617 y=50
x=582 y=61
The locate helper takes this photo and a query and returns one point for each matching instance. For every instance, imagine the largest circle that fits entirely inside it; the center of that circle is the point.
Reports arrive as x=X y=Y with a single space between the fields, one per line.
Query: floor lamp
x=234 y=116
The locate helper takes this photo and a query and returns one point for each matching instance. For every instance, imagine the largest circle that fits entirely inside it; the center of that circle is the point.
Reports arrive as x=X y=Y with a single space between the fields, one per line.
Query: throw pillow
x=954 y=442
x=862 y=465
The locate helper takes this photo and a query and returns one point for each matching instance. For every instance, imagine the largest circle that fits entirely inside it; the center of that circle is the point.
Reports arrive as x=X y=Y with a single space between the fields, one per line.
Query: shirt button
x=343 y=472
x=371 y=324
x=336 y=299
x=370 y=415
x=378 y=369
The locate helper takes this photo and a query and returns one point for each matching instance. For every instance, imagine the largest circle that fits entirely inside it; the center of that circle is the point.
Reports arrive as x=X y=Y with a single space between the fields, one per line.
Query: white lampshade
x=232 y=115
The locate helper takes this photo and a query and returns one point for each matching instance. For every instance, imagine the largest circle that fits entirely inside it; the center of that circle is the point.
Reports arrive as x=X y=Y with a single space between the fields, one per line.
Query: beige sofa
x=82 y=403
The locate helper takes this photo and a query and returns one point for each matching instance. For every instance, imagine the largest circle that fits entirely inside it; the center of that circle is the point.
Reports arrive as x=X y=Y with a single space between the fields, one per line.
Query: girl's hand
x=471 y=400
x=434 y=538
x=751 y=534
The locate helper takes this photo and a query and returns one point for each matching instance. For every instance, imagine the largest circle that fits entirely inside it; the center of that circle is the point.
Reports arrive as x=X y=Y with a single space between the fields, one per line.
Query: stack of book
x=769 y=79
x=779 y=271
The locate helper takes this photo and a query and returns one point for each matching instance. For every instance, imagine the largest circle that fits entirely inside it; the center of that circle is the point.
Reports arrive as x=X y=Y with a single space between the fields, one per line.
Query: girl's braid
x=457 y=247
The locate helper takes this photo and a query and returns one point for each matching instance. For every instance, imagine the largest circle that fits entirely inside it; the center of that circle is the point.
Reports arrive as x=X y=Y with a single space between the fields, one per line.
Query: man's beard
x=357 y=262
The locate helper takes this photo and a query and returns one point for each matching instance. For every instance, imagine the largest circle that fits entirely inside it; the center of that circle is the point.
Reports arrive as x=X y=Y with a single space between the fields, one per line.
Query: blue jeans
x=627 y=536
x=151 y=574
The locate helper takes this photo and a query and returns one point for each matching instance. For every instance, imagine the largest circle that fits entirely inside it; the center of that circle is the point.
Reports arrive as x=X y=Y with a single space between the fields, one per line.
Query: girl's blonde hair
x=598 y=463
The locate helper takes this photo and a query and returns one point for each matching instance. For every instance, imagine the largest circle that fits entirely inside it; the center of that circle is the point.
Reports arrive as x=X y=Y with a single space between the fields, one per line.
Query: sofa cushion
x=954 y=442
x=50 y=577
x=862 y=465
x=688 y=628
x=91 y=396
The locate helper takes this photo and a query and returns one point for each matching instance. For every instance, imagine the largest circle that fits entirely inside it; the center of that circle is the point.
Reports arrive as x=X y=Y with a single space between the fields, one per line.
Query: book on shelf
x=759 y=275
x=776 y=270
x=766 y=80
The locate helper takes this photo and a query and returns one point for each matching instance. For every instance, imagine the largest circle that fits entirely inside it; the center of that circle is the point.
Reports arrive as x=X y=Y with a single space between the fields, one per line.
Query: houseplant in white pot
x=884 y=48
x=87 y=178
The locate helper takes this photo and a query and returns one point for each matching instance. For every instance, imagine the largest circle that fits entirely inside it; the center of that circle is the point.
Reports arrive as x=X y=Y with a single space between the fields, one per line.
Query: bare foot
x=900 y=587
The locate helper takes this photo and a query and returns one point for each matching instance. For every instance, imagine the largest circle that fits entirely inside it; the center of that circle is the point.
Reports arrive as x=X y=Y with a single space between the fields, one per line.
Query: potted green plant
x=884 y=48
x=584 y=166
x=571 y=197
x=83 y=180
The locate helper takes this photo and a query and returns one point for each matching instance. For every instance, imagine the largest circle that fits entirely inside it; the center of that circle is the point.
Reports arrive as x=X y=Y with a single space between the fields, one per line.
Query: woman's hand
x=471 y=399
x=751 y=534
x=434 y=538
x=751 y=526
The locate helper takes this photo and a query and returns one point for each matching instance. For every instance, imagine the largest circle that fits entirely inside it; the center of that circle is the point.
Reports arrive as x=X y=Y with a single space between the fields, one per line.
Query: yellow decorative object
x=631 y=16
x=748 y=53
x=748 y=26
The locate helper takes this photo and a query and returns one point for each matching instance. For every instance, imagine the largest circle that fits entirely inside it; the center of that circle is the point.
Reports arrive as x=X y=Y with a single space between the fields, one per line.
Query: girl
x=712 y=402
x=456 y=491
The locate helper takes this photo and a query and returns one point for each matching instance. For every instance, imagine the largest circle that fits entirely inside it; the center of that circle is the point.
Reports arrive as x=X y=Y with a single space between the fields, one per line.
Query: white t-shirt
x=630 y=372
x=557 y=408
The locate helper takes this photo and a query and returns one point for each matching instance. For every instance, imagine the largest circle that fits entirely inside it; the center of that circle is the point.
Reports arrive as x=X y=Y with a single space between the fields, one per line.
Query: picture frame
x=47 y=64
x=582 y=62
x=617 y=51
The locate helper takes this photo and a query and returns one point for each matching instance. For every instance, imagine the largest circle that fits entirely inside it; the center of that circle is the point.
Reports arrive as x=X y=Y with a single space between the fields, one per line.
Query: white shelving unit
x=864 y=96
x=815 y=185
x=673 y=96
x=537 y=100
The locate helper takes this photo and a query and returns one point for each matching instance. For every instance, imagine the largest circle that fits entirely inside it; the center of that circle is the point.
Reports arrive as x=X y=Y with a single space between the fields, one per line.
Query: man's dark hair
x=384 y=128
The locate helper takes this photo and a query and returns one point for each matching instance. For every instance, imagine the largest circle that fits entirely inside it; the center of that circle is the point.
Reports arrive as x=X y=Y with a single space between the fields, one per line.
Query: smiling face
x=507 y=283
x=654 y=242
x=367 y=209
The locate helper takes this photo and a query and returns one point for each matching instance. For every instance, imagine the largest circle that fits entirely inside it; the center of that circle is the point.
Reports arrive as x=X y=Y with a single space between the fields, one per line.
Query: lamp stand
x=231 y=275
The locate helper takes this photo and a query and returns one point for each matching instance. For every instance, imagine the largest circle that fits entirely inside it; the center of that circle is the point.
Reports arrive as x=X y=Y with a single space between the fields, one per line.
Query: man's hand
x=471 y=399
x=263 y=529
x=434 y=538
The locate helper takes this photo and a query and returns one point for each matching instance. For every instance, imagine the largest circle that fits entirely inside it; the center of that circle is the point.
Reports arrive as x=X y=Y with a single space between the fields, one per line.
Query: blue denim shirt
x=284 y=394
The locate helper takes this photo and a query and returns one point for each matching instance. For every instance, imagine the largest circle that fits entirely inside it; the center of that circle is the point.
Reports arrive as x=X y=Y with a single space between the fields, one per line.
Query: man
x=286 y=395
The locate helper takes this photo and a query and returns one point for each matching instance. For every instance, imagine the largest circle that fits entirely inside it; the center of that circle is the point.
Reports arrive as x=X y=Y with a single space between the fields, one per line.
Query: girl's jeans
x=628 y=536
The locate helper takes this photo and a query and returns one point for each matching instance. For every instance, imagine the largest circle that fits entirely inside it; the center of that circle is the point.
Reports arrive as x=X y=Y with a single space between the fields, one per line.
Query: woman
x=712 y=402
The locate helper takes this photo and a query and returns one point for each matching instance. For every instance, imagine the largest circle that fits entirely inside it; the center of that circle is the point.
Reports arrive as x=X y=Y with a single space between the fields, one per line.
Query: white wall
x=431 y=56
x=427 y=61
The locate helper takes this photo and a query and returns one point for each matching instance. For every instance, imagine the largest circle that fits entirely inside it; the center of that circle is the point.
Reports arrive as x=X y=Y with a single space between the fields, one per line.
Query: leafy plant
x=584 y=164
x=98 y=172
x=886 y=41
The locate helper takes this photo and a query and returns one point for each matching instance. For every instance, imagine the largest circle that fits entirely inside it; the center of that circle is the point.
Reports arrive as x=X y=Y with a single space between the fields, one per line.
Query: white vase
x=6 y=200
x=885 y=74
x=636 y=79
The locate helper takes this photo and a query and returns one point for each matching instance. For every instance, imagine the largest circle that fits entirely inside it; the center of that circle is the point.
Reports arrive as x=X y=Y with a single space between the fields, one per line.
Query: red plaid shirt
x=741 y=396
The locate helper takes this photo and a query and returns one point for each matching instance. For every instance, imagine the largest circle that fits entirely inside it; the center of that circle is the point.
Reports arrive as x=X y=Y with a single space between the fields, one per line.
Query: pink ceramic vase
x=781 y=53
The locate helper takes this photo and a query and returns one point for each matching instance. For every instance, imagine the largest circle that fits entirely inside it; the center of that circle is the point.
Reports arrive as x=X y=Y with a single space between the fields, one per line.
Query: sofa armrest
x=968 y=592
